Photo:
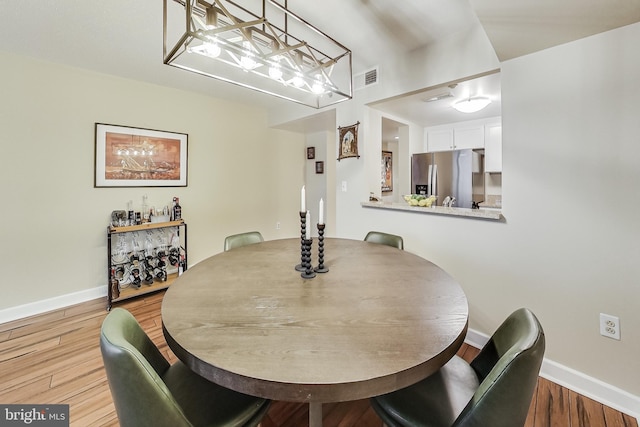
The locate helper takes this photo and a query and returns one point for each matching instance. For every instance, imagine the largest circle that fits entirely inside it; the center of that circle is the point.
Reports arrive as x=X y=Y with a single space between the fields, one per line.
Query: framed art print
x=136 y=157
x=311 y=153
x=386 y=177
x=348 y=142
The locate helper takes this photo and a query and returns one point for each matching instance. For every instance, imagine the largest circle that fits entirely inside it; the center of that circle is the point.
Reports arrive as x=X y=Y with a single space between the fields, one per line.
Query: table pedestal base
x=315 y=414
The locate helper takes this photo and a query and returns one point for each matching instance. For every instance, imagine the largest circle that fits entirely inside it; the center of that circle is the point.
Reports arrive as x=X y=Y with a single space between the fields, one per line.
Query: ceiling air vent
x=366 y=79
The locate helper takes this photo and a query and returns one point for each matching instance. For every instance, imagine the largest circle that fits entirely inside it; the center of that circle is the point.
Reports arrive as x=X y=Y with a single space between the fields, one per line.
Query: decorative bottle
x=176 y=212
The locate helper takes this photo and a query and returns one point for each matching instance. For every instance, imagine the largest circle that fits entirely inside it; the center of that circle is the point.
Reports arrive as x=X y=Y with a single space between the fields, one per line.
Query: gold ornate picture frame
x=348 y=142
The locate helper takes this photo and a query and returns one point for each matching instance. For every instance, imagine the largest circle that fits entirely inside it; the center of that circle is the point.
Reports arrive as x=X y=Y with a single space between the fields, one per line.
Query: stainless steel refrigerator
x=449 y=173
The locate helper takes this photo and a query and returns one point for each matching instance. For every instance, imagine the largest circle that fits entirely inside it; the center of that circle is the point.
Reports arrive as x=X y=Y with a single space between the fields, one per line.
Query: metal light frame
x=226 y=41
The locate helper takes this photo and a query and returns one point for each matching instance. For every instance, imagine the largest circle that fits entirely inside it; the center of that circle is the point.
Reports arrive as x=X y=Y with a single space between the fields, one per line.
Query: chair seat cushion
x=440 y=397
x=208 y=404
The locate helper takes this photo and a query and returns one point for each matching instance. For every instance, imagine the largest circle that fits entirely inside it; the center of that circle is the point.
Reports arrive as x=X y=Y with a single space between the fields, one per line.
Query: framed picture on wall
x=348 y=142
x=319 y=167
x=311 y=152
x=137 y=157
x=387 y=172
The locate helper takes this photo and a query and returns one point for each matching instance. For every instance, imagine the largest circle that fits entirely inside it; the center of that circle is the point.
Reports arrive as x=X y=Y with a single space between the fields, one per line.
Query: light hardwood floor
x=55 y=358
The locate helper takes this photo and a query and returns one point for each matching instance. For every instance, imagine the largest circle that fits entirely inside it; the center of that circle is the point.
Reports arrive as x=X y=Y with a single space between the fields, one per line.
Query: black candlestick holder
x=303 y=233
x=321 y=268
x=308 y=272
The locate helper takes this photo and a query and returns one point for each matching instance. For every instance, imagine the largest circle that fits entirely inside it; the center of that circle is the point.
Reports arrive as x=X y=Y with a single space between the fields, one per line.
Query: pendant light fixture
x=271 y=50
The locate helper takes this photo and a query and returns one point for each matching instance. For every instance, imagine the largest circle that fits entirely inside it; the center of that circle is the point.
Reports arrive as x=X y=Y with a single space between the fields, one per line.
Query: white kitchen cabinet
x=440 y=140
x=455 y=138
x=493 y=148
x=468 y=137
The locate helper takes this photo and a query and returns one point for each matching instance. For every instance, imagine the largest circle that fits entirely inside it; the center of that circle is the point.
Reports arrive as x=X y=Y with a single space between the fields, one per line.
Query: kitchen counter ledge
x=488 y=214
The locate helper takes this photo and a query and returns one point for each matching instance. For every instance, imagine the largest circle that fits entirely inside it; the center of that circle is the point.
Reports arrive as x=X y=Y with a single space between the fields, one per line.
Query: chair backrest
x=242 y=239
x=384 y=239
x=507 y=367
x=134 y=368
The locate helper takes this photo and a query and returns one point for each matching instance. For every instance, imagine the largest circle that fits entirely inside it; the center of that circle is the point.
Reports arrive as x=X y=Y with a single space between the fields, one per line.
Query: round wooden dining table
x=379 y=320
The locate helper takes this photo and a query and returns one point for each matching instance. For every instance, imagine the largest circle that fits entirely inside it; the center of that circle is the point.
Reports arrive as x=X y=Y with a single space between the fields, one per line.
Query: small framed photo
x=311 y=152
x=137 y=157
x=319 y=167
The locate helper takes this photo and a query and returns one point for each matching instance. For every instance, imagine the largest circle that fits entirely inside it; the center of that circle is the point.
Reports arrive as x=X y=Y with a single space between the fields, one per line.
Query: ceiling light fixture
x=226 y=41
x=438 y=97
x=472 y=105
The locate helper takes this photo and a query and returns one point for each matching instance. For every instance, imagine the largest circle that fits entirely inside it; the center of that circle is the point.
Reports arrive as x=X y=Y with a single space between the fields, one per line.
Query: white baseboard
x=585 y=385
x=476 y=339
x=39 y=307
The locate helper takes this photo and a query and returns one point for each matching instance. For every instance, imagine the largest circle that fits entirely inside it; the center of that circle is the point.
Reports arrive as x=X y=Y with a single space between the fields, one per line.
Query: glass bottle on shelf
x=176 y=210
x=131 y=216
x=145 y=209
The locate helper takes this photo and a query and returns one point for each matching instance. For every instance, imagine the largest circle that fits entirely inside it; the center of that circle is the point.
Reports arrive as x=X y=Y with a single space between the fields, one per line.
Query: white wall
x=569 y=248
x=571 y=141
x=242 y=174
x=316 y=183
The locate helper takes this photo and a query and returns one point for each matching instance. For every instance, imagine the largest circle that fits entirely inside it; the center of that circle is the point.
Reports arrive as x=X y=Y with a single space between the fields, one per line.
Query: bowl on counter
x=419 y=200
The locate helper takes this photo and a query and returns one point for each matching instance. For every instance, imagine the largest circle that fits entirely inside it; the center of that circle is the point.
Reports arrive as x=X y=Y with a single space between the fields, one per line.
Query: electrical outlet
x=277 y=225
x=344 y=186
x=609 y=326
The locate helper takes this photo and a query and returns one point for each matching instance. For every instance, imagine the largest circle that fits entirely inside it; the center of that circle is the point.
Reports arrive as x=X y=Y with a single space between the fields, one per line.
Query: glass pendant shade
x=472 y=105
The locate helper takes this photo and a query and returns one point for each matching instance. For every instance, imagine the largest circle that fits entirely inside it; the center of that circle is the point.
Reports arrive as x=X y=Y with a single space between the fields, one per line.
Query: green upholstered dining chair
x=384 y=239
x=148 y=391
x=242 y=239
x=494 y=390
